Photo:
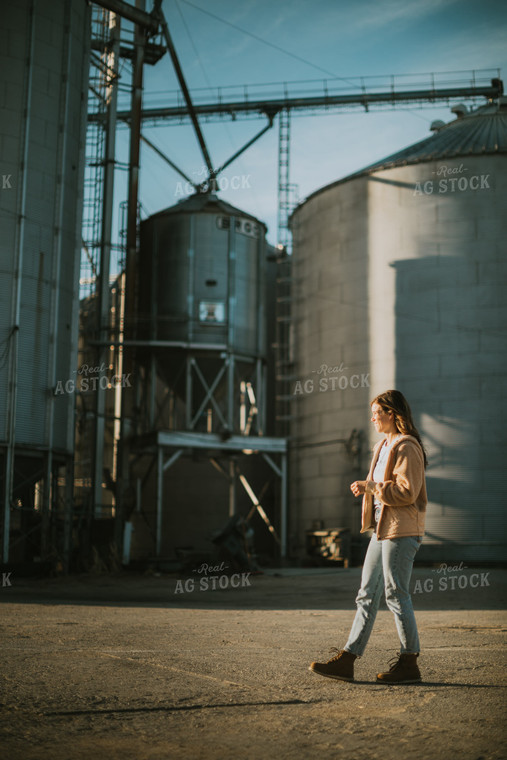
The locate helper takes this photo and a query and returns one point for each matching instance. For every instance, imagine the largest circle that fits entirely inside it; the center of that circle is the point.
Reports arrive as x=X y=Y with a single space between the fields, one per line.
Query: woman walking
x=394 y=506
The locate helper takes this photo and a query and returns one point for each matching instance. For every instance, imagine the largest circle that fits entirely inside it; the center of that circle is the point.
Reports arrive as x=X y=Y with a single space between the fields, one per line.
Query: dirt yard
x=141 y=668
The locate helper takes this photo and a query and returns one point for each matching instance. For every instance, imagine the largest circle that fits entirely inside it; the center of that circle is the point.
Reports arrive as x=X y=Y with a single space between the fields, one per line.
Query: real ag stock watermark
x=213 y=184
x=6 y=579
x=90 y=378
x=451 y=582
x=207 y=582
x=452 y=179
x=331 y=378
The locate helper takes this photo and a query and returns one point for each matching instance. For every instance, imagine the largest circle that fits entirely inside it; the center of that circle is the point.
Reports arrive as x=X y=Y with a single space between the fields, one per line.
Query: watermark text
x=332 y=378
x=452 y=179
x=450 y=578
x=208 y=582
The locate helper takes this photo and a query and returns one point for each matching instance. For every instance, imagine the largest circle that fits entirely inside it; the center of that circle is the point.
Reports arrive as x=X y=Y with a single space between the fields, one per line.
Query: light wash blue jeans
x=388 y=564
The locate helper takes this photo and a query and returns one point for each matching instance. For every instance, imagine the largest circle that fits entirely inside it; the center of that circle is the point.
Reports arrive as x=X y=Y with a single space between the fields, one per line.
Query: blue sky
x=346 y=39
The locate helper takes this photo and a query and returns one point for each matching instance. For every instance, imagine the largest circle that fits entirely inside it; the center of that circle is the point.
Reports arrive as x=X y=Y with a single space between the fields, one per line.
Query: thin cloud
x=383 y=14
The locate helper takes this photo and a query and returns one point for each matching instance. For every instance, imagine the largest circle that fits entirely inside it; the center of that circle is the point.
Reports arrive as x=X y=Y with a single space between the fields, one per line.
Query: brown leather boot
x=402 y=670
x=341 y=666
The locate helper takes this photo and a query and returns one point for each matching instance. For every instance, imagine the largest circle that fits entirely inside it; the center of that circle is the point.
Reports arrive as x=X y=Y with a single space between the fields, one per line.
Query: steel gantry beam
x=132 y=13
x=324 y=100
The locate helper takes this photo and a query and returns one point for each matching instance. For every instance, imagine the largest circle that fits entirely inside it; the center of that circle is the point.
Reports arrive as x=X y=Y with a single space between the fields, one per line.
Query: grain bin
x=401 y=272
x=44 y=64
x=202 y=297
x=203 y=343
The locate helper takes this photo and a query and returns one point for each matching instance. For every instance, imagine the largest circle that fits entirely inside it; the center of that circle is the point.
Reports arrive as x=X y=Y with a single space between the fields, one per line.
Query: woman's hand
x=358 y=487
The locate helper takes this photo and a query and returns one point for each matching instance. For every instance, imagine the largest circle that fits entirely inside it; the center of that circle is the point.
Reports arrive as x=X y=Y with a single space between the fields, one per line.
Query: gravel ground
x=144 y=668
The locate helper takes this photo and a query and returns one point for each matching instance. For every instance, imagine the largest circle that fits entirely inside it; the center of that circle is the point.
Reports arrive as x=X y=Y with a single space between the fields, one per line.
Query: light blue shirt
x=379 y=472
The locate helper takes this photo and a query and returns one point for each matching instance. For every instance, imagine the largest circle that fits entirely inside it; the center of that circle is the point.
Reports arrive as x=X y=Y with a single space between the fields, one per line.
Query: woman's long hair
x=395 y=402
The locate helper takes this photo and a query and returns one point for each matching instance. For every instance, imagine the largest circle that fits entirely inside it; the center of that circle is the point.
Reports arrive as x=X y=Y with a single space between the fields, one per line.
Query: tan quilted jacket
x=402 y=492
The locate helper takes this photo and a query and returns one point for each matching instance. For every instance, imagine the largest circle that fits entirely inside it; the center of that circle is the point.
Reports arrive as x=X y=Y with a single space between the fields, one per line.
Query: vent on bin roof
x=460 y=110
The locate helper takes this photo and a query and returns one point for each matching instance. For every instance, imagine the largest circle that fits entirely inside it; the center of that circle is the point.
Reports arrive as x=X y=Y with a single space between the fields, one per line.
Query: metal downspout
x=186 y=94
x=103 y=306
x=68 y=517
x=127 y=400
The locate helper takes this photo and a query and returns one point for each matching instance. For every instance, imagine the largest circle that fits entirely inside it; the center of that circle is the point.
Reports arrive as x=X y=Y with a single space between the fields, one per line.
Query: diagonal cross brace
x=209 y=392
x=260 y=510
